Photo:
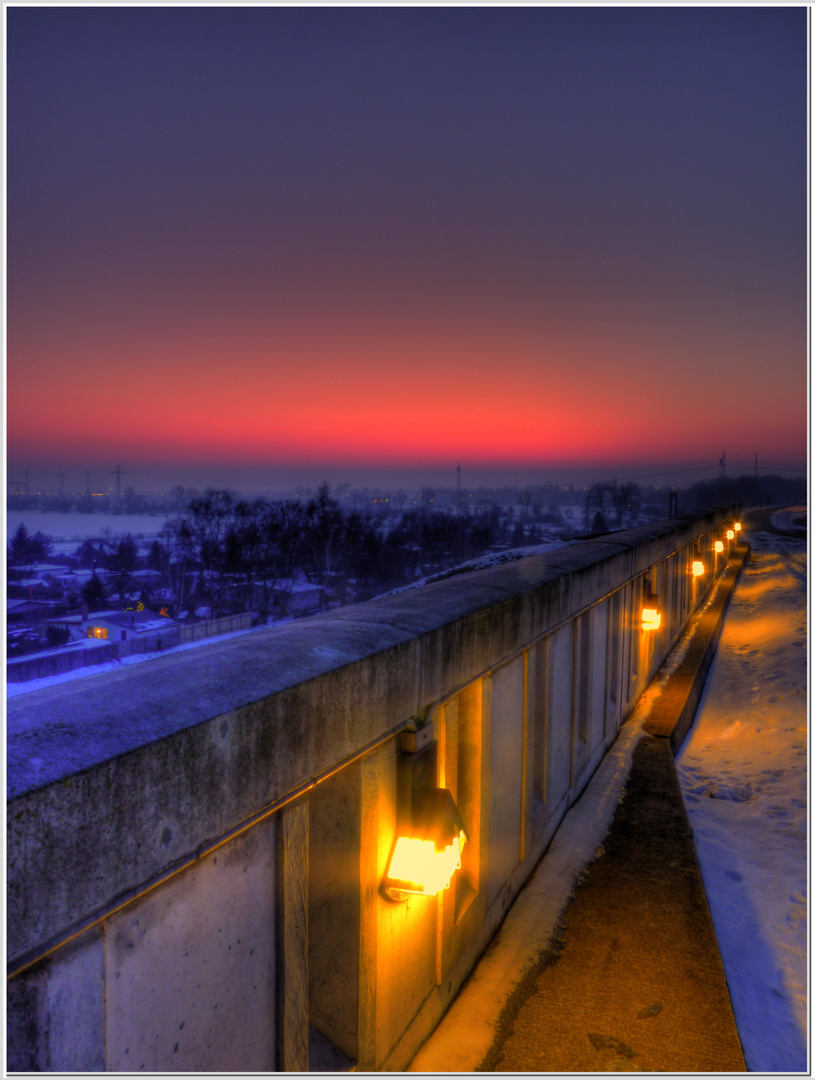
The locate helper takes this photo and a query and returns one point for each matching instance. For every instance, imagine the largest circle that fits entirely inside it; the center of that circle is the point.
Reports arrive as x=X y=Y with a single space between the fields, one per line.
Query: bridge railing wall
x=197 y=885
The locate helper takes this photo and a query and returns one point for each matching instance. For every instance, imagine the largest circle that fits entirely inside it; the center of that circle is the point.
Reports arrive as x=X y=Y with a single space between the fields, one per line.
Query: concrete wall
x=196 y=845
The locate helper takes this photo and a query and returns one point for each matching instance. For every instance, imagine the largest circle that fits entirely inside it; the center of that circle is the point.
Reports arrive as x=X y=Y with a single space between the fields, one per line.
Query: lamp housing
x=718 y=546
x=651 y=612
x=430 y=832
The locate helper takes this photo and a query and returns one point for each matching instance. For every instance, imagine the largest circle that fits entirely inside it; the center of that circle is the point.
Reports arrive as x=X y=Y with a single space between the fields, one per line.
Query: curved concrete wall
x=216 y=926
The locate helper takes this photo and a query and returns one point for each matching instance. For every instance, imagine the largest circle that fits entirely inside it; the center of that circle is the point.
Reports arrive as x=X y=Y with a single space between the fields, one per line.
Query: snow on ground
x=14 y=689
x=792 y=519
x=78 y=527
x=743 y=773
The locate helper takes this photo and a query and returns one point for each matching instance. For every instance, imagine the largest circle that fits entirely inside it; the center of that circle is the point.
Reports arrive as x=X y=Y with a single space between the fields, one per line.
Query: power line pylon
x=117 y=472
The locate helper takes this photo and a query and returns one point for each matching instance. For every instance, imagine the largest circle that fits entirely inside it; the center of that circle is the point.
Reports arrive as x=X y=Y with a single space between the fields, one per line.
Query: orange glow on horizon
x=504 y=396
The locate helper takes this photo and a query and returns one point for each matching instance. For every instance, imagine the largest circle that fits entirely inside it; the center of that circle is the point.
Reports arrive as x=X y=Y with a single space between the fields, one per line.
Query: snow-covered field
x=743 y=772
x=78 y=527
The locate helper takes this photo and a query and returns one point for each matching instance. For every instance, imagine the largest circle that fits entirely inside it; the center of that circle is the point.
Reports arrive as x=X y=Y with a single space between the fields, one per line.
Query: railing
x=197 y=846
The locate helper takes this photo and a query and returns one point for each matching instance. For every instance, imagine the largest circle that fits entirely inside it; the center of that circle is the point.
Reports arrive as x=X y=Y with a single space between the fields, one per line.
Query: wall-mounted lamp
x=429 y=831
x=697 y=567
x=737 y=526
x=731 y=534
x=718 y=546
x=651 y=612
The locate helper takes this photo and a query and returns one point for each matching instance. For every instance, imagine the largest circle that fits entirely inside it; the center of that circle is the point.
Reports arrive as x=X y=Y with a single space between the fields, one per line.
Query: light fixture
x=718 y=546
x=697 y=565
x=430 y=833
x=651 y=612
x=737 y=526
x=731 y=534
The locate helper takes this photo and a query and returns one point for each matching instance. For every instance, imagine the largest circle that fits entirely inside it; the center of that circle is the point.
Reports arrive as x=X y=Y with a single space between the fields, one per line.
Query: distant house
x=73 y=581
x=37 y=572
x=28 y=611
x=114 y=625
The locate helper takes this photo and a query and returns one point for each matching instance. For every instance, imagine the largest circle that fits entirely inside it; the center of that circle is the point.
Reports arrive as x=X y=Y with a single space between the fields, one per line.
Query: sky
x=361 y=243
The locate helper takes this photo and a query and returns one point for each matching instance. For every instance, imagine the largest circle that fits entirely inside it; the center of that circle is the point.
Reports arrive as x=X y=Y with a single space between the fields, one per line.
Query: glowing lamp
x=731 y=534
x=697 y=568
x=430 y=834
x=651 y=613
x=718 y=546
x=737 y=526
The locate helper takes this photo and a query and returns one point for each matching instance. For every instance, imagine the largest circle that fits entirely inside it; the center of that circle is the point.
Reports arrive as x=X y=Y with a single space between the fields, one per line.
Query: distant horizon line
x=257 y=480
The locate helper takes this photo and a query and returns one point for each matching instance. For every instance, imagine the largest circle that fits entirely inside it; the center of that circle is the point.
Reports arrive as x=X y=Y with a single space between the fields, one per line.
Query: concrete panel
x=56 y=1011
x=334 y=908
x=537 y=705
x=506 y=773
x=75 y=1004
x=373 y=859
x=597 y=702
x=559 y=724
x=190 y=968
x=291 y=936
x=584 y=678
x=26 y=1046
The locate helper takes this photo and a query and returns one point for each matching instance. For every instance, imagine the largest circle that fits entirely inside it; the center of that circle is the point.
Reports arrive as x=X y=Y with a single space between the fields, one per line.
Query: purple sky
x=281 y=241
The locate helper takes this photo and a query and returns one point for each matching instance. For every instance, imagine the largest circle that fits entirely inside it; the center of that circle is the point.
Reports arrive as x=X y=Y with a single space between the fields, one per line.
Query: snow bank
x=495 y=558
x=791 y=519
x=743 y=773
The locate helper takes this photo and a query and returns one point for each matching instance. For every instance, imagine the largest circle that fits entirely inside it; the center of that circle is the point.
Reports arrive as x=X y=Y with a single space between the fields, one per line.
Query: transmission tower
x=117 y=472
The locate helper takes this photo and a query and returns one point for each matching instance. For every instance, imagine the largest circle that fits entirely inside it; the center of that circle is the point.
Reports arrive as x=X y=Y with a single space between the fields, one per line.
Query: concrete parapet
x=124 y=786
